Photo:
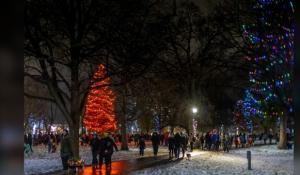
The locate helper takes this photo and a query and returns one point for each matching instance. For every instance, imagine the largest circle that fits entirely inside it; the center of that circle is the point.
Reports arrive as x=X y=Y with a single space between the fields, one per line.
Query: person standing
x=29 y=141
x=202 y=141
x=49 y=143
x=217 y=141
x=192 y=141
x=250 y=140
x=141 y=144
x=26 y=145
x=162 y=138
x=276 y=138
x=226 y=142
x=155 y=142
x=184 y=142
x=265 y=137
x=214 y=140
x=65 y=150
x=106 y=150
x=208 y=140
x=177 y=140
x=270 y=137
x=136 y=139
x=54 y=145
x=95 y=148
x=243 y=140
x=171 y=146
x=237 y=141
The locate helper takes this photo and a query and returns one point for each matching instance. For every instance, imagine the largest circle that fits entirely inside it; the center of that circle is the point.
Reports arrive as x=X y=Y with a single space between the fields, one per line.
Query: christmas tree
x=271 y=38
x=99 y=113
x=247 y=113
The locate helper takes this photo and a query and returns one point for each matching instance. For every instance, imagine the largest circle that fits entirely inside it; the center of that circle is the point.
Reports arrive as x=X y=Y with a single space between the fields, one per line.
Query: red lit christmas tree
x=99 y=113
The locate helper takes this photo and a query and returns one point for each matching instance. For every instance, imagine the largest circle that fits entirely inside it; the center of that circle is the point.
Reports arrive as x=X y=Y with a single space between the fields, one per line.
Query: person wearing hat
x=106 y=150
x=65 y=150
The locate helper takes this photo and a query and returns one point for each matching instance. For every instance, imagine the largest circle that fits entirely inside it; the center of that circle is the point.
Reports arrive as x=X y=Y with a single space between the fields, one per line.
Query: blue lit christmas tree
x=271 y=40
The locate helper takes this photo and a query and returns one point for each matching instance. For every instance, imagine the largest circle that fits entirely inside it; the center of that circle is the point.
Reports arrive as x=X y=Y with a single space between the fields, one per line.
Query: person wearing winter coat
x=243 y=140
x=54 y=145
x=217 y=141
x=192 y=141
x=265 y=137
x=66 y=150
x=155 y=142
x=276 y=137
x=208 y=141
x=270 y=138
x=141 y=144
x=177 y=142
x=214 y=139
x=237 y=141
x=202 y=138
x=184 y=142
x=106 y=149
x=226 y=142
x=29 y=141
x=161 y=139
x=50 y=143
x=94 y=143
x=136 y=139
x=171 y=146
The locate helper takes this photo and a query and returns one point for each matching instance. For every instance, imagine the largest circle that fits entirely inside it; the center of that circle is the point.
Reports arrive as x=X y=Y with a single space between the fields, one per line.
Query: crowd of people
x=210 y=141
x=50 y=140
x=178 y=144
x=102 y=146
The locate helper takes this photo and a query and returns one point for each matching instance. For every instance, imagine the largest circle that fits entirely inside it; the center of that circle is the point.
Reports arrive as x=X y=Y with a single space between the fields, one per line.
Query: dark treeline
x=163 y=57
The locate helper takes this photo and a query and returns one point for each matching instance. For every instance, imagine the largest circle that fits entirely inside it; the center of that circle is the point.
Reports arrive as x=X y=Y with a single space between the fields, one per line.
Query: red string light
x=99 y=113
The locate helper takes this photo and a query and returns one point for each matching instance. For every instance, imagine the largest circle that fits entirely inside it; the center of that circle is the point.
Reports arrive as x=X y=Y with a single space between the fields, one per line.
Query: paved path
x=123 y=167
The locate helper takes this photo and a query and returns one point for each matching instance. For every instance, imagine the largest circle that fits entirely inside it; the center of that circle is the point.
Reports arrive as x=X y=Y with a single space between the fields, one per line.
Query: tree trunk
x=282 y=137
x=124 y=145
x=75 y=105
x=74 y=135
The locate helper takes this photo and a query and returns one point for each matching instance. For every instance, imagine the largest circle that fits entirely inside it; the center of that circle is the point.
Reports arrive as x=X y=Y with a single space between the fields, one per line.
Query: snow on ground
x=266 y=160
x=42 y=162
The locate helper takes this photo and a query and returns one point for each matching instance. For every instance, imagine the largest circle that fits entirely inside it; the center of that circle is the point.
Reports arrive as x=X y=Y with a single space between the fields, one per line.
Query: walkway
x=123 y=167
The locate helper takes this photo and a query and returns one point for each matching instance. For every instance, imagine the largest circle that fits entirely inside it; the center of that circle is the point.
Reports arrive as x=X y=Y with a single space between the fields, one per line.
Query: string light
x=272 y=41
x=99 y=113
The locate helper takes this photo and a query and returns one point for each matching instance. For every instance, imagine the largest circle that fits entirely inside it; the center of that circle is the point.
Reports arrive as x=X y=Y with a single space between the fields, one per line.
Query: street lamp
x=194 y=110
x=194 y=122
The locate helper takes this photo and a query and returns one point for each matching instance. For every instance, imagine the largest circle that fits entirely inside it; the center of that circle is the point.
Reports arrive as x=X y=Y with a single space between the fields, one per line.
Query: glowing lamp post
x=194 y=110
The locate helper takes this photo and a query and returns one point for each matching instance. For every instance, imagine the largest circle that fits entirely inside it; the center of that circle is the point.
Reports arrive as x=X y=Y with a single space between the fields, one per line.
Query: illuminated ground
x=266 y=160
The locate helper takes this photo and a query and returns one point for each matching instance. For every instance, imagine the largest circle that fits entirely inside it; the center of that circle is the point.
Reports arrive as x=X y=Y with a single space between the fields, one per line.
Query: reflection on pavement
x=122 y=167
x=117 y=168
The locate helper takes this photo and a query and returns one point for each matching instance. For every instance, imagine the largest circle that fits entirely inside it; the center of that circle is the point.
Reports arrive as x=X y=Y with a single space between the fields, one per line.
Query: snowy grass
x=266 y=160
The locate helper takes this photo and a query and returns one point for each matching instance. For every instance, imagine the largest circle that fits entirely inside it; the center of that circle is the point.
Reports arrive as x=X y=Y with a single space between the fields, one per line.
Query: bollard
x=249 y=159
